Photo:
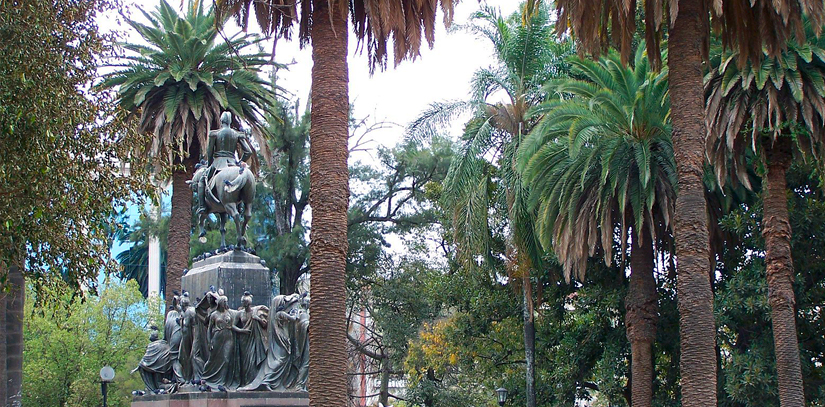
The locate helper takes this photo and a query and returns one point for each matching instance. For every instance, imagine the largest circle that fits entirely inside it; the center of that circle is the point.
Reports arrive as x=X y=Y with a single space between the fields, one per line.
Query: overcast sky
x=396 y=95
x=399 y=94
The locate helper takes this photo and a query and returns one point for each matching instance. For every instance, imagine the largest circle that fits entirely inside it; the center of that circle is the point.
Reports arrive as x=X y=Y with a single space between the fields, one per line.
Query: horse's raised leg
x=223 y=231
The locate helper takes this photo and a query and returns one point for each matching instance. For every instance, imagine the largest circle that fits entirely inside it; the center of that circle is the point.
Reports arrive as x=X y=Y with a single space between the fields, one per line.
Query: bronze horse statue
x=230 y=187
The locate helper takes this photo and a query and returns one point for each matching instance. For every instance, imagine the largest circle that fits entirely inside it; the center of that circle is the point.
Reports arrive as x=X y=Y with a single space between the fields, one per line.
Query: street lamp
x=107 y=375
x=502 y=395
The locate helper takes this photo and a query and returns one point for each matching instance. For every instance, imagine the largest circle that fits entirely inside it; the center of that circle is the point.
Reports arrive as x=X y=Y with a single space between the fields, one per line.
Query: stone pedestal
x=224 y=399
x=234 y=272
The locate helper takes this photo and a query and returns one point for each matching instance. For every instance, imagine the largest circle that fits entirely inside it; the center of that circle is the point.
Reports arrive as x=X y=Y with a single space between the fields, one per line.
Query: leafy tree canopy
x=64 y=148
x=69 y=337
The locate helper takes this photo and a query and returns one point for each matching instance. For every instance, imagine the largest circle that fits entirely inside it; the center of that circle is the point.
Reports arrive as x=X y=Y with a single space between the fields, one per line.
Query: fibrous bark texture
x=329 y=198
x=776 y=230
x=180 y=228
x=641 y=318
x=697 y=329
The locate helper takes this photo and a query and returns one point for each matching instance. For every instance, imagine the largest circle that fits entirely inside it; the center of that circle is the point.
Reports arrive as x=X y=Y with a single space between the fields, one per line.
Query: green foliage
x=280 y=213
x=396 y=292
x=741 y=301
x=748 y=103
x=601 y=157
x=134 y=261
x=69 y=337
x=180 y=83
x=584 y=351
x=63 y=147
x=527 y=54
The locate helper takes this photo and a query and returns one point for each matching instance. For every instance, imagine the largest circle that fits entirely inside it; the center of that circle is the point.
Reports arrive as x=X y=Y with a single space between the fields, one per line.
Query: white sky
x=399 y=94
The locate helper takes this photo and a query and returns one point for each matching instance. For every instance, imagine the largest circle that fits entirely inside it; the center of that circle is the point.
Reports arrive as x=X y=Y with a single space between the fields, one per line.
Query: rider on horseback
x=220 y=154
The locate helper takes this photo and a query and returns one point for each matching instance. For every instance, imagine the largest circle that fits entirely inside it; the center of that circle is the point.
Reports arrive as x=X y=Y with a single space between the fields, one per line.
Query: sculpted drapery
x=220 y=349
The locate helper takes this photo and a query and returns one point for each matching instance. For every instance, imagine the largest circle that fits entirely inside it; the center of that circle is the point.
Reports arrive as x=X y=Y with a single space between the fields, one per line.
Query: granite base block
x=234 y=272
x=225 y=399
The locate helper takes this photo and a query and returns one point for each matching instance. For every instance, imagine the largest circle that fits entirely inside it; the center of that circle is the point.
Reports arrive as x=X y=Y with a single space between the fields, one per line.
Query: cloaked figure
x=156 y=366
x=279 y=373
x=252 y=346
x=222 y=369
x=300 y=340
x=189 y=356
x=172 y=334
x=200 y=340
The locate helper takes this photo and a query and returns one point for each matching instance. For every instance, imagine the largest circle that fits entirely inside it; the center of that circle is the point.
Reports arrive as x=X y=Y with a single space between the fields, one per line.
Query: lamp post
x=501 y=392
x=107 y=375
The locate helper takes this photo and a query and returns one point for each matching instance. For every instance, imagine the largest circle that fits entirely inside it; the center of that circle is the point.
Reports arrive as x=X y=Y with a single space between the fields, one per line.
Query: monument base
x=235 y=272
x=225 y=399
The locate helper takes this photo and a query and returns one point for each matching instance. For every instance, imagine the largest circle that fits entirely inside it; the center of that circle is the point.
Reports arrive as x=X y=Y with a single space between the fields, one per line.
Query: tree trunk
x=3 y=375
x=329 y=198
x=529 y=343
x=180 y=229
x=289 y=276
x=384 y=391
x=641 y=317
x=776 y=230
x=697 y=329
x=14 y=337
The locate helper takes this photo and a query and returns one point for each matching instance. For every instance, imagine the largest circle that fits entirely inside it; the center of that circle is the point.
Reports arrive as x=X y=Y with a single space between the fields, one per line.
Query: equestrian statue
x=225 y=182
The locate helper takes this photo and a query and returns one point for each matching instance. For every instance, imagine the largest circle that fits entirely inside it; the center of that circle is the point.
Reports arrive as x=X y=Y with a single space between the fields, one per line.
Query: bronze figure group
x=214 y=348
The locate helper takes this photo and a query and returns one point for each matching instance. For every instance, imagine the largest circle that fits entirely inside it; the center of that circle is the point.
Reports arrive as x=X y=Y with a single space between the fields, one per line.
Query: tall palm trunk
x=14 y=337
x=3 y=375
x=329 y=198
x=3 y=354
x=776 y=230
x=180 y=228
x=529 y=341
x=641 y=317
x=697 y=329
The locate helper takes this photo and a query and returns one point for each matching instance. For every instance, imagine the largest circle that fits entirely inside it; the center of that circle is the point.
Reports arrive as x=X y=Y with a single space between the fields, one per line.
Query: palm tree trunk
x=776 y=230
x=529 y=342
x=14 y=337
x=697 y=329
x=641 y=318
x=3 y=376
x=329 y=199
x=180 y=229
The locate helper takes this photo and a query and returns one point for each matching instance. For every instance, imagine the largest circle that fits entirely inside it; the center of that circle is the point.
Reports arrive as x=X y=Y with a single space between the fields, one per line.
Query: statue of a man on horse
x=225 y=182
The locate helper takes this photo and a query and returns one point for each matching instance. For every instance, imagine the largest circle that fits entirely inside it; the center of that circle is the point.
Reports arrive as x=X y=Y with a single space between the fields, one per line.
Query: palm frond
x=600 y=160
x=178 y=85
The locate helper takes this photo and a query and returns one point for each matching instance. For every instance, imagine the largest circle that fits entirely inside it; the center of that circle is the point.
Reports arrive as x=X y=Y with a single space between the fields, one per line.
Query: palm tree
x=601 y=160
x=771 y=107
x=323 y=23
x=177 y=86
x=689 y=21
x=527 y=55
